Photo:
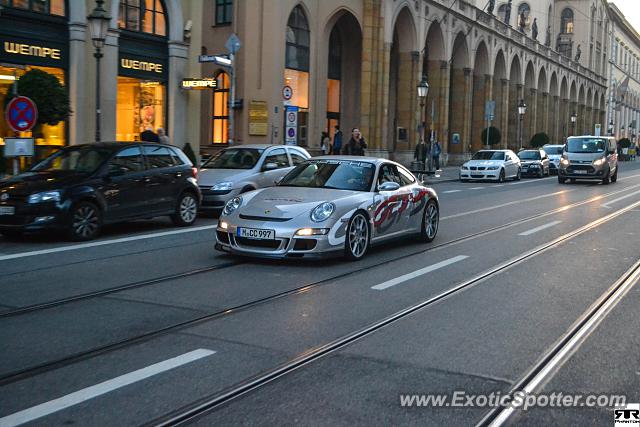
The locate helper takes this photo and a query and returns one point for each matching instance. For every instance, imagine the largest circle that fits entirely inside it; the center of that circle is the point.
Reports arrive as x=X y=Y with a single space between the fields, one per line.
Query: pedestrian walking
x=357 y=144
x=435 y=154
x=337 y=140
x=162 y=137
x=325 y=144
x=149 y=135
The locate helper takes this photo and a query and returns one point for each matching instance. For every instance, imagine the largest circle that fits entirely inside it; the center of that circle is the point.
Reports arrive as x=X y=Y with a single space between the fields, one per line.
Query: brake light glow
x=194 y=170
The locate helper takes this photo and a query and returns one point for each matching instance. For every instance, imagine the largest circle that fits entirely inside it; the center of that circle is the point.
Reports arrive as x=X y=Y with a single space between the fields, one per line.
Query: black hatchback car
x=82 y=187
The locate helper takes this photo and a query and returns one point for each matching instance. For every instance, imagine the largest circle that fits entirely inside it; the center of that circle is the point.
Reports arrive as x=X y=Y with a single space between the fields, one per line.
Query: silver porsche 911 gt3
x=329 y=205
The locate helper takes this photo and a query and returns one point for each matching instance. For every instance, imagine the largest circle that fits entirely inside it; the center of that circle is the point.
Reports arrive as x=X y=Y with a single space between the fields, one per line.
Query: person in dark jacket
x=337 y=141
x=149 y=136
x=357 y=144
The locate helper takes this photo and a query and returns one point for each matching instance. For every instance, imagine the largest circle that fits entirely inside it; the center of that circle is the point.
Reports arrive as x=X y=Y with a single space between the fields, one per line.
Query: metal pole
x=98 y=55
x=232 y=100
x=488 y=129
x=520 y=130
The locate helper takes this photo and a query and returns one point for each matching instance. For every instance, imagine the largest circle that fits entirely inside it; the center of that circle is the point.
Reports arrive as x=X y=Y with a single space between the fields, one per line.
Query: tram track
x=32 y=371
x=206 y=405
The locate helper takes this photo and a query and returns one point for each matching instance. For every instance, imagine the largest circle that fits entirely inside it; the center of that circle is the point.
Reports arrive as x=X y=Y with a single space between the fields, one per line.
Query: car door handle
x=178 y=175
x=146 y=179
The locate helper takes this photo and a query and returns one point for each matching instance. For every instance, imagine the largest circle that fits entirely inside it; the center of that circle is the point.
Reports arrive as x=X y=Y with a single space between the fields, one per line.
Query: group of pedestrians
x=354 y=147
x=423 y=151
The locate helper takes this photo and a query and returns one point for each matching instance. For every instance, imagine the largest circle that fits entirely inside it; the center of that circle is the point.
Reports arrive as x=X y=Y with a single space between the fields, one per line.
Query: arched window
x=220 y=108
x=566 y=21
x=145 y=16
x=51 y=7
x=296 y=73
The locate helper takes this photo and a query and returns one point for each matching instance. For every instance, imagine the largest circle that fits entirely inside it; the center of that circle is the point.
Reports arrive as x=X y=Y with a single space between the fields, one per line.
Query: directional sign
x=21 y=114
x=233 y=44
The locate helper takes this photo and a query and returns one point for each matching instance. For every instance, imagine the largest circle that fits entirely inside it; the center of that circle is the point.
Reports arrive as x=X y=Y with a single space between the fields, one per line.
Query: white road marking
x=542 y=227
x=88 y=393
x=389 y=283
x=105 y=242
x=451 y=191
x=606 y=205
x=477 y=188
x=515 y=202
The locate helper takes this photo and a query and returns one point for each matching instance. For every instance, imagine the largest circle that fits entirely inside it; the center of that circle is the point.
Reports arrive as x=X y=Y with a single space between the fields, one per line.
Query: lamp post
x=522 y=109
x=574 y=119
x=610 y=128
x=99 y=25
x=423 y=90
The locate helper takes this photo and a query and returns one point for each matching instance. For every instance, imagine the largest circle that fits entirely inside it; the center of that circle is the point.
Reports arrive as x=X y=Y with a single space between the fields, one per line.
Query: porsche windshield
x=586 y=145
x=335 y=174
x=234 y=158
x=488 y=155
x=81 y=159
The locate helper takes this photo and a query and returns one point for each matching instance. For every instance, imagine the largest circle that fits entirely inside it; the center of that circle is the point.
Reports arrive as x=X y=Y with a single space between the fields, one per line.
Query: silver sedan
x=329 y=205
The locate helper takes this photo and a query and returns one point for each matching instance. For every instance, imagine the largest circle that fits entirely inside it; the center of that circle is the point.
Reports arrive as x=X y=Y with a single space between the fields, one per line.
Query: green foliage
x=539 y=139
x=494 y=136
x=48 y=93
x=188 y=151
x=625 y=143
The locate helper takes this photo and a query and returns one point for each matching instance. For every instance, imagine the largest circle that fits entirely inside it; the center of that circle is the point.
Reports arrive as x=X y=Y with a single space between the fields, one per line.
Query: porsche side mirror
x=388 y=186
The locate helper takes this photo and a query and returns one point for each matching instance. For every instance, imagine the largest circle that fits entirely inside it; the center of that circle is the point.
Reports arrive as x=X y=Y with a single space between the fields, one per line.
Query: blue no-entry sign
x=21 y=114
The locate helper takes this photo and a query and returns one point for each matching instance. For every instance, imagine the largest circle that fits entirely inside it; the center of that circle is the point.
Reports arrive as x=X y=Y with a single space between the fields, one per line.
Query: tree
x=539 y=139
x=494 y=136
x=49 y=95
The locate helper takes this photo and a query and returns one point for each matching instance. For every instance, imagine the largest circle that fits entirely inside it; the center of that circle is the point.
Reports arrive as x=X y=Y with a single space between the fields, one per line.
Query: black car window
x=82 y=159
x=296 y=157
x=279 y=157
x=127 y=161
x=388 y=173
x=158 y=157
x=181 y=158
x=406 y=177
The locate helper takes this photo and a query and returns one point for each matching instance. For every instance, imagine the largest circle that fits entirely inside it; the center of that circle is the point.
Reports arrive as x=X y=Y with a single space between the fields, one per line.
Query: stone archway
x=460 y=92
x=403 y=79
x=482 y=92
x=434 y=69
x=515 y=95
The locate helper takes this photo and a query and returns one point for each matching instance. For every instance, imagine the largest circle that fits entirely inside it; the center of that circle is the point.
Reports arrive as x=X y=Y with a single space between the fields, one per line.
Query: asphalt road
x=142 y=324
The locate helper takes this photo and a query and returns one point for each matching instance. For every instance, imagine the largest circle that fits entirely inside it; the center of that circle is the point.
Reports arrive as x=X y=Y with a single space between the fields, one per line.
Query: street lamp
x=423 y=90
x=522 y=109
x=574 y=119
x=610 y=128
x=98 y=21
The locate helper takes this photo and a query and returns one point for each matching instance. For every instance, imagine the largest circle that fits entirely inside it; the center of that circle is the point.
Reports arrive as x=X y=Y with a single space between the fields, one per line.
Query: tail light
x=194 y=170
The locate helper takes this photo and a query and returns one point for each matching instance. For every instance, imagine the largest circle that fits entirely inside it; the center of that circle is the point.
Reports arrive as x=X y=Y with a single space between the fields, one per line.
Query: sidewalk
x=446 y=174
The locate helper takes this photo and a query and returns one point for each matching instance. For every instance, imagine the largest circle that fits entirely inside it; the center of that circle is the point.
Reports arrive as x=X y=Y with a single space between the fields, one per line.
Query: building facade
x=623 y=116
x=357 y=63
x=145 y=60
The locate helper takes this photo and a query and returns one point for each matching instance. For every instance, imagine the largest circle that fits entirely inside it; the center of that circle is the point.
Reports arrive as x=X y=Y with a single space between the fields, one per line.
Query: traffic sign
x=291 y=126
x=21 y=114
x=233 y=44
x=287 y=93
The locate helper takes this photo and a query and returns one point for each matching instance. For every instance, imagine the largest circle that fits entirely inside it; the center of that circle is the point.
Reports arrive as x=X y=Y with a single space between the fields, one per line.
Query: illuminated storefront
x=33 y=35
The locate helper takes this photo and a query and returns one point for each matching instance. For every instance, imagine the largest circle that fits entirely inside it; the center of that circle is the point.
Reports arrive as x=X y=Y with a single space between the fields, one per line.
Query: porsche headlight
x=599 y=162
x=45 y=196
x=223 y=186
x=322 y=211
x=232 y=205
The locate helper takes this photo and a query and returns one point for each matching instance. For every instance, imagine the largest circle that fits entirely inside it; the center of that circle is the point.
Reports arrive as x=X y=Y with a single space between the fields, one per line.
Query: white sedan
x=497 y=165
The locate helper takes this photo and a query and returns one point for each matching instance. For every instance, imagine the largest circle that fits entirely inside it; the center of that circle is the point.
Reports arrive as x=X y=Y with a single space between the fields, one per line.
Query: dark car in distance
x=80 y=188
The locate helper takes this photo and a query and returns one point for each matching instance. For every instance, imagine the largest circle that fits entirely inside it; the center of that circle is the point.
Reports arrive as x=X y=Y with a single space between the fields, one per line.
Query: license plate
x=578 y=171
x=7 y=210
x=256 y=233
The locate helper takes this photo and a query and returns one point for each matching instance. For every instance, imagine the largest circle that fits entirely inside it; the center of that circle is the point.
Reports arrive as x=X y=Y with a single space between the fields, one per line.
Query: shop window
x=47 y=137
x=566 y=21
x=141 y=106
x=145 y=16
x=51 y=7
x=220 y=118
x=224 y=12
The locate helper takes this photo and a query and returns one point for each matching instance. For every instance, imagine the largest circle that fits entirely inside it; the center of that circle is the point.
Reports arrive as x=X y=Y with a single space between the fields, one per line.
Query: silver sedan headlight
x=492 y=168
x=223 y=186
x=45 y=196
x=322 y=211
x=232 y=205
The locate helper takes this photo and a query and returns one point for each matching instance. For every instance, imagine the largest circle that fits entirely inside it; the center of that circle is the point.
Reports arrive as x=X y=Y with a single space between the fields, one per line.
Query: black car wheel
x=541 y=173
x=356 y=241
x=501 y=177
x=186 y=210
x=85 y=222
x=561 y=180
x=518 y=175
x=614 y=177
x=430 y=221
x=606 y=179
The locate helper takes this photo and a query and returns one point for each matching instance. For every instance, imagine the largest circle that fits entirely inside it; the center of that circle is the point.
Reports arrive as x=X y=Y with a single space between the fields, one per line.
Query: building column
x=443 y=122
x=79 y=62
x=543 y=113
x=533 y=97
x=504 y=120
x=177 y=114
x=468 y=105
